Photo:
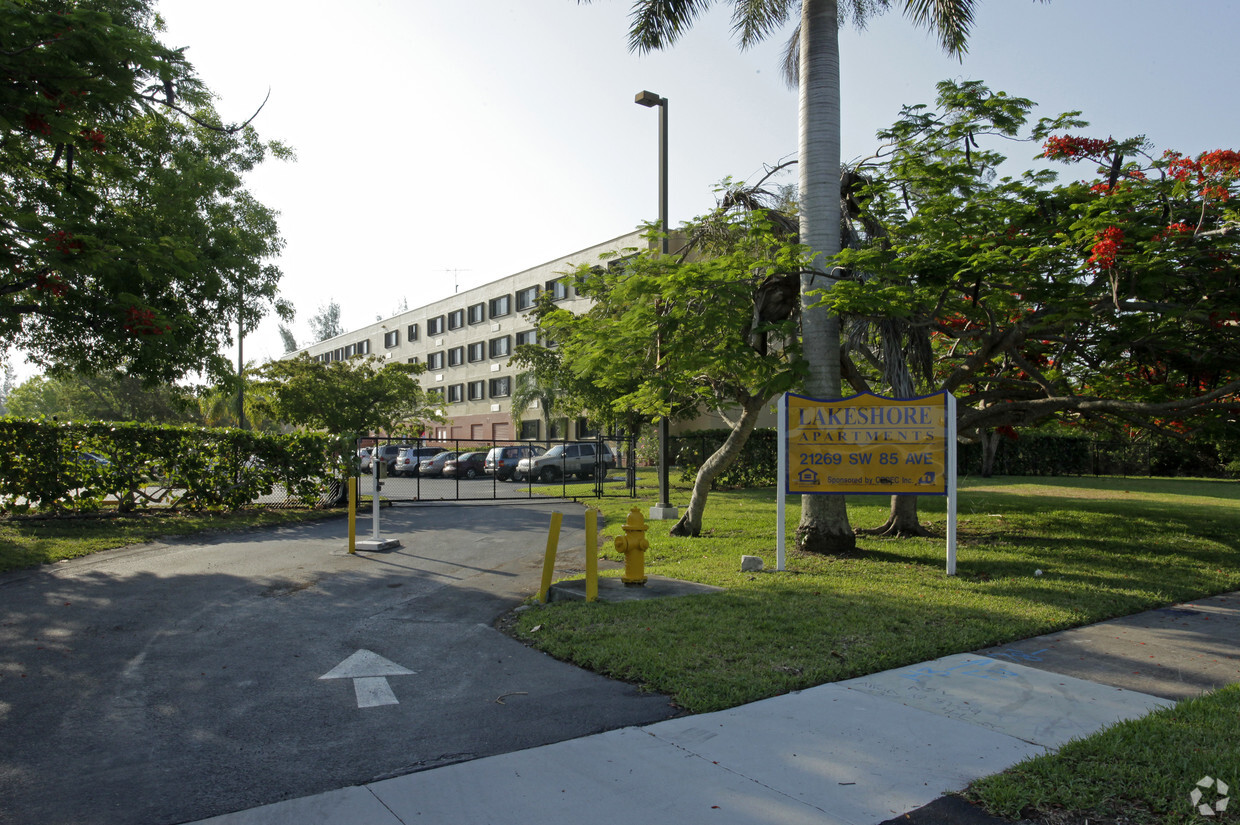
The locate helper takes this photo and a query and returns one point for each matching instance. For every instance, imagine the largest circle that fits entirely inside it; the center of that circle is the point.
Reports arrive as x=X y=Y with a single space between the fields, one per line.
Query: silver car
x=566 y=460
x=433 y=466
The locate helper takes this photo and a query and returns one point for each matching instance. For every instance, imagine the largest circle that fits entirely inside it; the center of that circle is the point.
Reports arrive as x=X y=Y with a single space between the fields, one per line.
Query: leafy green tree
x=102 y=397
x=813 y=60
x=346 y=399
x=217 y=404
x=127 y=238
x=1110 y=300
x=287 y=338
x=641 y=343
x=326 y=322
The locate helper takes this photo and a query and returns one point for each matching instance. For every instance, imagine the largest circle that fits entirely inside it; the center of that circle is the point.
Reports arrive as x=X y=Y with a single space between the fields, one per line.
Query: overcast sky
x=441 y=145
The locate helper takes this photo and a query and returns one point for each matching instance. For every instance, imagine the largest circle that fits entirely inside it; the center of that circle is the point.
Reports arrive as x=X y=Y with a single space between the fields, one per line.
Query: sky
x=441 y=145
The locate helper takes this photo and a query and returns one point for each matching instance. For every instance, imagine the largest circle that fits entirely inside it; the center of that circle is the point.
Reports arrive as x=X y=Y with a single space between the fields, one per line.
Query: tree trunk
x=824 y=518
x=990 y=449
x=902 y=522
x=690 y=523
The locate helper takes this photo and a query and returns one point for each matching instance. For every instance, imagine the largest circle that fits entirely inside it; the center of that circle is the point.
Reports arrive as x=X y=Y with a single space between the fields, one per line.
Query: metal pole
x=664 y=509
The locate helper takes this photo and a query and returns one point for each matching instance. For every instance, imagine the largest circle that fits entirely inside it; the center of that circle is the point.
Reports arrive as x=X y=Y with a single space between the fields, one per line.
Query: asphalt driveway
x=167 y=683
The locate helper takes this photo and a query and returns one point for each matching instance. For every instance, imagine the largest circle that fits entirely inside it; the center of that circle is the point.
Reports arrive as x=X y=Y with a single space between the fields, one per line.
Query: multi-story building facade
x=466 y=341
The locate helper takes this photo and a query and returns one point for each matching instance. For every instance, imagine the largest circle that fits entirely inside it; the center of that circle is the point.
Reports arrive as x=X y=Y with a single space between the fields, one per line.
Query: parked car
x=410 y=458
x=363 y=460
x=501 y=462
x=565 y=460
x=466 y=465
x=433 y=466
x=387 y=453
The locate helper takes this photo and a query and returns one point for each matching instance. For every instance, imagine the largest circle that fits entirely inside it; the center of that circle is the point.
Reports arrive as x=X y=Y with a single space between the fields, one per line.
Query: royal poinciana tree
x=812 y=65
x=127 y=238
x=1111 y=296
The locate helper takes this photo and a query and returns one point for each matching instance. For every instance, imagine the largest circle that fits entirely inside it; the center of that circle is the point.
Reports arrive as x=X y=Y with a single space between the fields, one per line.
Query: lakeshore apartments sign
x=868 y=444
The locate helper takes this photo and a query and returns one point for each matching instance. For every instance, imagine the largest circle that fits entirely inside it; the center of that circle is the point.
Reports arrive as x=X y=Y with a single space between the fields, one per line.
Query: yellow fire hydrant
x=633 y=545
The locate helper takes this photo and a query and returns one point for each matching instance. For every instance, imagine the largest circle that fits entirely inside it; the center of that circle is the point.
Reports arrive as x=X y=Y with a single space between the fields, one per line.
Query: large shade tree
x=127 y=237
x=675 y=335
x=813 y=59
x=1114 y=299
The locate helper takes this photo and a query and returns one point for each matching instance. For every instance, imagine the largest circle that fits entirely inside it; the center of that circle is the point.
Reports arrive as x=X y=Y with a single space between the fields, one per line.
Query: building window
x=435 y=395
x=477 y=313
x=501 y=347
x=350 y=350
x=338 y=355
x=434 y=326
x=412 y=334
x=391 y=339
x=456 y=319
x=501 y=306
x=530 y=336
x=435 y=360
x=413 y=360
x=529 y=429
x=456 y=356
x=363 y=347
x=477 y=352
x=585 y=429
x=501 y=387
x=558 y=289
x=456 y=393
x=526 y=298
x=477 y=390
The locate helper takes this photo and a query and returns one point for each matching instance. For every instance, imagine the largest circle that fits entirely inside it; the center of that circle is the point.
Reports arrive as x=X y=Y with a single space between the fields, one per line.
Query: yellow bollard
x=633 y=545
x=553 y=539
x=591 y=555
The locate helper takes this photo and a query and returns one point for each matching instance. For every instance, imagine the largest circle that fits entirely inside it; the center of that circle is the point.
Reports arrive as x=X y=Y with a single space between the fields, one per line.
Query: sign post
x=868 y=445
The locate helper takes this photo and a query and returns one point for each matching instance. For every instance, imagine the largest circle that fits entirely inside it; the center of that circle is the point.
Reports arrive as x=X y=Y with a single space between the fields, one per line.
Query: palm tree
x=529 y=387
x=813 y=64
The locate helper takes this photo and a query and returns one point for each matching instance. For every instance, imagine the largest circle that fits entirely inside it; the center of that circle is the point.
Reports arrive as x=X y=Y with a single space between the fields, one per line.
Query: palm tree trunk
x=824 y=524
x=690 y=523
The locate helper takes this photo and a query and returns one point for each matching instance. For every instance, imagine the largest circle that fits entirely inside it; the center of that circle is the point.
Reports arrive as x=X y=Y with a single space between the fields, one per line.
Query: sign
x=867 y=444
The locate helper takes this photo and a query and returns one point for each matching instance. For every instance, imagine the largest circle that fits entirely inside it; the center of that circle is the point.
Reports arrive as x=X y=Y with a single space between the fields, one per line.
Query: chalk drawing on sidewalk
x=974 y=668
x=1019 y=655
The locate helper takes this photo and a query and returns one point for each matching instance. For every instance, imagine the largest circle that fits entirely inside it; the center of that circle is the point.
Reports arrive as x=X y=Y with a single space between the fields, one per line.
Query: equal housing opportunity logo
x=1209 y=797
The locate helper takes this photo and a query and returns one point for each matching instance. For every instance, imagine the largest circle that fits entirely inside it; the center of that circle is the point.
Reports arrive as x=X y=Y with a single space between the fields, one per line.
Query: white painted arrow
x=369 y=672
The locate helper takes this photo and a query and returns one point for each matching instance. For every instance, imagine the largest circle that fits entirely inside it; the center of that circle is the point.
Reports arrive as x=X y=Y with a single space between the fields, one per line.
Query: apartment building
x=466 y=340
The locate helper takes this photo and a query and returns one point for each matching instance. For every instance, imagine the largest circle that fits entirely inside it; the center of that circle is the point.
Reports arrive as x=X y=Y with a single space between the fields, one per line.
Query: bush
x=194 y=468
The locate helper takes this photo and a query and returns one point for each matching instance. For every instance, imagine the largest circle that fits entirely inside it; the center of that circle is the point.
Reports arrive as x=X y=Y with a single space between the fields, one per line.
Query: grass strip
x=1141 y=771
x=26 y=542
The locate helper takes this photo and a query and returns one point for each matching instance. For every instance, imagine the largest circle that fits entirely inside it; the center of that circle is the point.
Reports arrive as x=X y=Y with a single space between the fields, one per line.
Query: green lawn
x=25 y=542
x=1106 y=547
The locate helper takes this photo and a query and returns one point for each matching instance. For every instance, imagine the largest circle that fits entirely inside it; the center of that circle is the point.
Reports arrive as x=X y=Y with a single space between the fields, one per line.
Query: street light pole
x=664 y=509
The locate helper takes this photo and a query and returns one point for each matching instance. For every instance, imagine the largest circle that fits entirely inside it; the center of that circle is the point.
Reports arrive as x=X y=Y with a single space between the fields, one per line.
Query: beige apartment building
x=466 y=340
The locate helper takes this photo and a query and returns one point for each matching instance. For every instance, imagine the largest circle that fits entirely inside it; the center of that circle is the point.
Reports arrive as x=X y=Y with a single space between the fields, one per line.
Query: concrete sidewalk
x=861 y=751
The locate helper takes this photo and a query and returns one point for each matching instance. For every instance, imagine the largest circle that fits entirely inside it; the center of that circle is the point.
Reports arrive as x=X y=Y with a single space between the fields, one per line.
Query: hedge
x=43 y=467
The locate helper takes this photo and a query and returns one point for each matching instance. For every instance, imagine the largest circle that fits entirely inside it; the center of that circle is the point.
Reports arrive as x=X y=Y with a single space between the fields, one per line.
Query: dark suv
x=501 y=462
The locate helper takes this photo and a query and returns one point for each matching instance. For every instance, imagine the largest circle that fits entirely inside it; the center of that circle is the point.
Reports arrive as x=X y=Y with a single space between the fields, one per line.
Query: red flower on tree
x=64 y=242
x=139 y=321
x=1106 y=247
x=1067 y=147
x=51 y=283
